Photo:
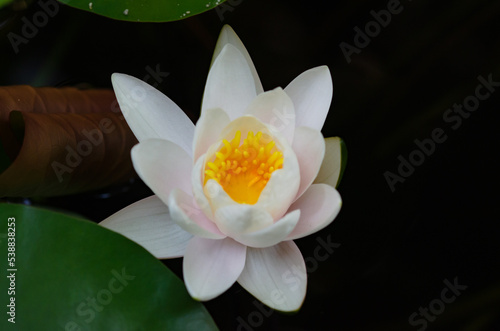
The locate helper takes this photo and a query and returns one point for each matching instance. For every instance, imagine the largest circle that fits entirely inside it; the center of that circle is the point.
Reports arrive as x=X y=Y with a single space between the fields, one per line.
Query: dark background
x=396 y=248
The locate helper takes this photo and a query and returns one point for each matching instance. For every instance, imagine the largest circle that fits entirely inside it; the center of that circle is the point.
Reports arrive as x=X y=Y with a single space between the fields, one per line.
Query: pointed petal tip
x=231 y=82
x=199 y=298
x=284 y=307
x=311 y=93
x=322 y=70
x=294 y=311
x=119 y=79
x=148 y=223
x=266 y=274
x=229 y=36
x=115 y=76
x=151 y=114
x=323 y=67
x=227 y=29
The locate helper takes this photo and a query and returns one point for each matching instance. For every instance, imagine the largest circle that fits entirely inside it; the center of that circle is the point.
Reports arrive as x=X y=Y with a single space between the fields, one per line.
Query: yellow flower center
x=243 y=170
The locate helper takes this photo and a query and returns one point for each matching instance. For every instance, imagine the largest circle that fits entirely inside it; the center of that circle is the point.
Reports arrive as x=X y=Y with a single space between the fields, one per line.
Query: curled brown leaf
x=62 y=141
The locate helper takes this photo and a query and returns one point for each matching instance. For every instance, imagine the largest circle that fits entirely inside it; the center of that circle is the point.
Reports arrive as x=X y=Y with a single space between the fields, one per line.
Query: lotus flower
x=234 y=191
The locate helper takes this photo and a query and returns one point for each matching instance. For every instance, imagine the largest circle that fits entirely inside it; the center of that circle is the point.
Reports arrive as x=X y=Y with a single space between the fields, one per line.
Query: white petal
x=241 y=218
x=217 y=197
x=150 y=114
x=311 y=93
x=309 y=146
x=210 y=267
x=163 y=166
x=275 y=109
x=148 y=223
x=271 y=235
x=188 y=216
x=331 y=168
x=230 y=84
x=318 y=206
x=276 y=276
x=282 y=187
x=208 y=129
x=228 y=36
x=197 y=185
x=251 y=225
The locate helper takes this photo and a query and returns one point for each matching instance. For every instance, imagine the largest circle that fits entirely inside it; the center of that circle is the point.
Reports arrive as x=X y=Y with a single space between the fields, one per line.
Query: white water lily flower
x=234 y=191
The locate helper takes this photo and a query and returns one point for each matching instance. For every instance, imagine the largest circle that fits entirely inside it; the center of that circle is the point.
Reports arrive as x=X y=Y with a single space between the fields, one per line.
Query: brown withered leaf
x=49 y=100
x=62 y=141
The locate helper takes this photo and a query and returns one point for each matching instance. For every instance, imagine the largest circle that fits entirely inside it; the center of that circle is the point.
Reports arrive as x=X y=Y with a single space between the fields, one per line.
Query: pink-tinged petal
x=230 y=84
x=271 y=235
x=275 y=109
x=331 y=169
x=210 y=267
x=311 y=93
x=309 y=146
x=207 y=131
x=150 y=114
x=234 y=220
x=148 y=223
x=163 y=166
x=318 y=206
x=190 y=217
x=276 y=276
x=228 y=36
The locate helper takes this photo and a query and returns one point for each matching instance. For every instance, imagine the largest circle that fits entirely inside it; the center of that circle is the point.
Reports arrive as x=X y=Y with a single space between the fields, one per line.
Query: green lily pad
x=4 y=3
x=145 y=10
x=72 y=274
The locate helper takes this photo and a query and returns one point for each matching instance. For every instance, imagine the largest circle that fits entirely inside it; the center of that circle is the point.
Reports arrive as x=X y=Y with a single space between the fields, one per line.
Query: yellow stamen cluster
x=243 y=170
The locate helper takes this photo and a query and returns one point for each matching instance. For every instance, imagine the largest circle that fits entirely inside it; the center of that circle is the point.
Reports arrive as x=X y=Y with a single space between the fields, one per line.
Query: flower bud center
x=243 y=170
